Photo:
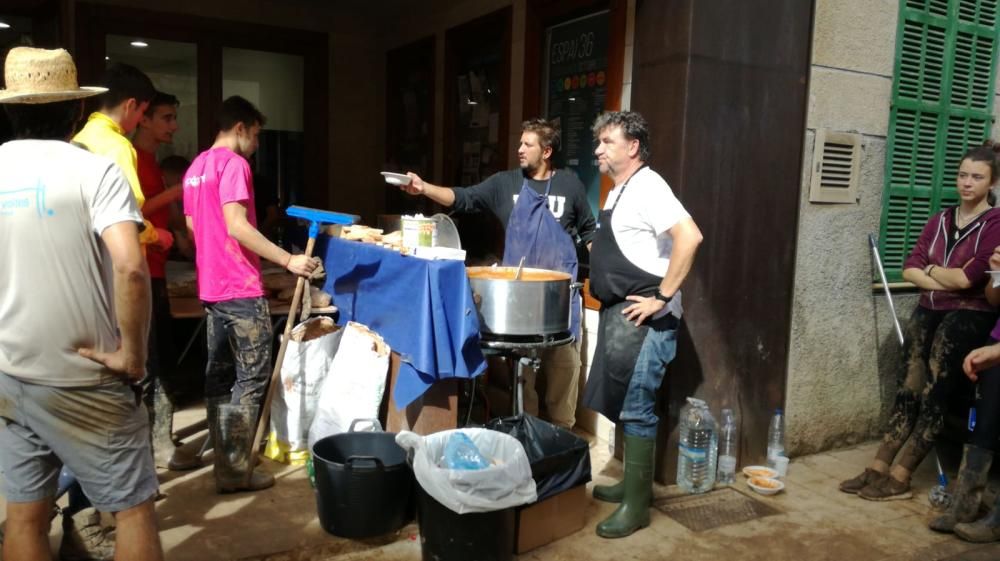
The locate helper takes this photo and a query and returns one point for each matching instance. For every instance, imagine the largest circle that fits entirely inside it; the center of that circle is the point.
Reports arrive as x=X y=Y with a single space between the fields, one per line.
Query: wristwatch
x=665 y=299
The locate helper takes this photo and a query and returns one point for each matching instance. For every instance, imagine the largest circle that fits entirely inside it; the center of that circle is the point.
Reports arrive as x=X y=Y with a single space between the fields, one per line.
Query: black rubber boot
x=972 y=476
x=633 y=512
x=232 y=429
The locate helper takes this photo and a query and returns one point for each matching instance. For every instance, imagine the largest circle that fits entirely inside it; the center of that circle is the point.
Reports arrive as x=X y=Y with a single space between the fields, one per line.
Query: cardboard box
x=551 y=519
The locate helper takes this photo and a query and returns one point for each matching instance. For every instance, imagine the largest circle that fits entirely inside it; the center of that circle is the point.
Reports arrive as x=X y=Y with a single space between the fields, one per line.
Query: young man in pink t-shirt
x=219 y=209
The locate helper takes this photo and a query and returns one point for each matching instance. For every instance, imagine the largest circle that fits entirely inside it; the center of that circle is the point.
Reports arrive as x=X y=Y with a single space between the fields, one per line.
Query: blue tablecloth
x=422 y=308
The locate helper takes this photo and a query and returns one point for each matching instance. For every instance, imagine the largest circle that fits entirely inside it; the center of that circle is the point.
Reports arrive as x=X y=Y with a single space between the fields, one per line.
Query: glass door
x=173 y=68
x=274 y=83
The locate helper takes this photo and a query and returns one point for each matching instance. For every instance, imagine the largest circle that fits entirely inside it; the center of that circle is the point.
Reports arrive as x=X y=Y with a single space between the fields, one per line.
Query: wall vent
x=836 y=167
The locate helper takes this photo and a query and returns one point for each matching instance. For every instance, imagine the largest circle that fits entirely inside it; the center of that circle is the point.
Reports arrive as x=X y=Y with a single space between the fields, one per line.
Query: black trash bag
x=559 y=459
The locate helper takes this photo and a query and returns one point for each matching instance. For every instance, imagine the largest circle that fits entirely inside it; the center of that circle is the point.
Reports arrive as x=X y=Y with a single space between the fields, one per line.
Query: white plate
x=773 y=486
x=759 y=471
x=396 y=178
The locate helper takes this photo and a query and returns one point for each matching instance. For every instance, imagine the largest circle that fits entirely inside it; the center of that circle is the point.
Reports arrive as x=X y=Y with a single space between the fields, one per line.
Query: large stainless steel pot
x=536 y=304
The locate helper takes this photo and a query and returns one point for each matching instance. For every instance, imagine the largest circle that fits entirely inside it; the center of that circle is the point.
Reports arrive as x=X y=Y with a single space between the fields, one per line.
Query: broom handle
x=293 y=311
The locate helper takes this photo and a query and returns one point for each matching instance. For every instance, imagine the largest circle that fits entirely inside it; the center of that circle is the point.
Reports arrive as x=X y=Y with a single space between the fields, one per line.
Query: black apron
x=612 y=278
x=535 y=234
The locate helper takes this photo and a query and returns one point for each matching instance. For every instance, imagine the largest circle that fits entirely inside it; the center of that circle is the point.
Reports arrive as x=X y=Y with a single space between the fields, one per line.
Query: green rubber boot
x=633 y=512
x=610 y=493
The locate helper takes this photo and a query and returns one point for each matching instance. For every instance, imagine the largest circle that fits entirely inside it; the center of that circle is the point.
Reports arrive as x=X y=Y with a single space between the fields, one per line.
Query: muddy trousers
x=239 y=350
x=936 y=342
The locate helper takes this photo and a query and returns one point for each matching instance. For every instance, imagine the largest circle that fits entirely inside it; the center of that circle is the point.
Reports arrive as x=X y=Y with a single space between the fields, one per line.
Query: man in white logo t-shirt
x=643 y=250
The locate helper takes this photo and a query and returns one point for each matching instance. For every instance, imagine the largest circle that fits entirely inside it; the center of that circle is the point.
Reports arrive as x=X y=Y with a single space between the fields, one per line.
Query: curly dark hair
x=633 y=126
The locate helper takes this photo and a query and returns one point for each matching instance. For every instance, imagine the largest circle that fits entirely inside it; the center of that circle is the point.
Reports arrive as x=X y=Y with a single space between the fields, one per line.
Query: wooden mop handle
x=300 y=286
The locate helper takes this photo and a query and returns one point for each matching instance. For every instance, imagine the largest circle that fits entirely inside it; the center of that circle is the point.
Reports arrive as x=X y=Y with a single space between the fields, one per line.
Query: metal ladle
x=520 y=267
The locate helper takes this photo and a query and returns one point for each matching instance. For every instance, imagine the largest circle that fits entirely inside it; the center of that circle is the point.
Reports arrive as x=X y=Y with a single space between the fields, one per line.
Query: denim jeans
x=639 y=409
x=239 y=350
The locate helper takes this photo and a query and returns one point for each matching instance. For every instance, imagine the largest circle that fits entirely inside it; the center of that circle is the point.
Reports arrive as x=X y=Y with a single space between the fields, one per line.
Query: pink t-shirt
x=226 y=270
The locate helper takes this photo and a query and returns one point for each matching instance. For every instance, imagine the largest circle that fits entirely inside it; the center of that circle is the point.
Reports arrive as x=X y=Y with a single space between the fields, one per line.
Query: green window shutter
x=942 y=103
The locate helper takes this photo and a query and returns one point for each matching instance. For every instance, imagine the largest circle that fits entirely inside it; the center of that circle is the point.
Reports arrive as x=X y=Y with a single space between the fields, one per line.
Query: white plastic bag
x=308 y=357
x=504 y=484
x=354 y=387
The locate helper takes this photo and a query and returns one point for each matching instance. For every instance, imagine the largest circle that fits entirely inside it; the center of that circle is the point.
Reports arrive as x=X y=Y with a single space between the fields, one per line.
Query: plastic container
x=475 y=536
x=419 y=231
x=728 y=439
x=781 y=466
x=364 y=486
x=697 y=449
x=776 y=437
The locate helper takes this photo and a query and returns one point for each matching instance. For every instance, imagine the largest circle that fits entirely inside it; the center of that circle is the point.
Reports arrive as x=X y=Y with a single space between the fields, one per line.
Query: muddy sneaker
x=84 y=539
x=855 y=485
x=886 y=488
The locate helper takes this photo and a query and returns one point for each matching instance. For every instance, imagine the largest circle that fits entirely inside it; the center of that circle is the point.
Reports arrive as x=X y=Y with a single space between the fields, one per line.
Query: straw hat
x=42 y=76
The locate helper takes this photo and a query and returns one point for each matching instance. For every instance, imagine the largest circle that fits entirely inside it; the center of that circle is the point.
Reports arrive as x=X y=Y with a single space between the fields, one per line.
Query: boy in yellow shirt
x=128 y=96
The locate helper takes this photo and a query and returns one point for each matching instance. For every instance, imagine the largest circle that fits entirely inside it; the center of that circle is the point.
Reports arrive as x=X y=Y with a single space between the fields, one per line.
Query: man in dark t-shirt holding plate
x=515 y=197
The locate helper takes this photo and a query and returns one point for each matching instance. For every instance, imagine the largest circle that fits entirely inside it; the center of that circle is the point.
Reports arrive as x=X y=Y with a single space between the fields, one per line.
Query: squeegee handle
x=301 y=285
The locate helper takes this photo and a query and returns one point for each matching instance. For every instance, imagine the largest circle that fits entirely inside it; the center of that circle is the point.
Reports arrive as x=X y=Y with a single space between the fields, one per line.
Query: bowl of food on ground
x=765 y=485
x=760 y=471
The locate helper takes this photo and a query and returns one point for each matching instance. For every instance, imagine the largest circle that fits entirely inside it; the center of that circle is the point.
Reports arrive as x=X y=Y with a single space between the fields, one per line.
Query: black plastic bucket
x=476 y=536
x=364 y=487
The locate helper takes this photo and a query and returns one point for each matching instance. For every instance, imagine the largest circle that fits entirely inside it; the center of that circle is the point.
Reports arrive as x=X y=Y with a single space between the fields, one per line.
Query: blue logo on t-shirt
x=26 y=199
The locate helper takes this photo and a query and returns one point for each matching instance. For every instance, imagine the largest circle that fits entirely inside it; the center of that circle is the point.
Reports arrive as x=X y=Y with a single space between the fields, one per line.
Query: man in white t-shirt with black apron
x=643 y=249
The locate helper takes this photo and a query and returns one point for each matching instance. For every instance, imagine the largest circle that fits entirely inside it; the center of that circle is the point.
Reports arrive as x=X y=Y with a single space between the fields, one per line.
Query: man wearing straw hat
x=75 y=284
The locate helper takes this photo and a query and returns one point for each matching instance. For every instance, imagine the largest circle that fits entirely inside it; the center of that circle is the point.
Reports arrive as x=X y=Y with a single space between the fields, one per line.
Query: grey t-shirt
x=56 y=284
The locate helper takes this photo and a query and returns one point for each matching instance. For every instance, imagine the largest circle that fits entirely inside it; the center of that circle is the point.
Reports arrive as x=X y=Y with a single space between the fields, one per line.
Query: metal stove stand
x=525 y=350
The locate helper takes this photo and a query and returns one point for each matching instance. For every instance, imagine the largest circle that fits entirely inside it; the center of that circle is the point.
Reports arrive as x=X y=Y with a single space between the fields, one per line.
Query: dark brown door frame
x=94 y=22
x=416 y=54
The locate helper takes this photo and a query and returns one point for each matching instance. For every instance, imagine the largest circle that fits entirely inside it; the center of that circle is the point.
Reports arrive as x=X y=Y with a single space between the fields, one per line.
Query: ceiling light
x=107 y=58
x=4 y=25
x=139 y=44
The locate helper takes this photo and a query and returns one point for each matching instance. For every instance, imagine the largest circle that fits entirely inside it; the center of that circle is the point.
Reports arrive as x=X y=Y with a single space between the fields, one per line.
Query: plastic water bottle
x=699 y=442
x=728 y=438
x=776 y=437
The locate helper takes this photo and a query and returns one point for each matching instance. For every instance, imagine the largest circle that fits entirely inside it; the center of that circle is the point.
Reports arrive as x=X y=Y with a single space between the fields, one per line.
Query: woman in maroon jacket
x=949 y=264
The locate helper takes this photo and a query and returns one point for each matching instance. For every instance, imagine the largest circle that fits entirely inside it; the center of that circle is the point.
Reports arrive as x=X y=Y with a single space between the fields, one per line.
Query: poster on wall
x=575 y=89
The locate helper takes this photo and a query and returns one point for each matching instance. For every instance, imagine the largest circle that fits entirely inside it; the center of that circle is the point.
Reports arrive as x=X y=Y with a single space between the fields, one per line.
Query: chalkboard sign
x=576 y=70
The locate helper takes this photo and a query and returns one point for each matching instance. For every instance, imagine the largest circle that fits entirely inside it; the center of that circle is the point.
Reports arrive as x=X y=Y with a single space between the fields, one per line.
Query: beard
x=530 y=167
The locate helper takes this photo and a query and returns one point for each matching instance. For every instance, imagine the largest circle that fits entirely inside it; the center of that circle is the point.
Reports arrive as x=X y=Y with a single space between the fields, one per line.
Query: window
x=942 y=103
